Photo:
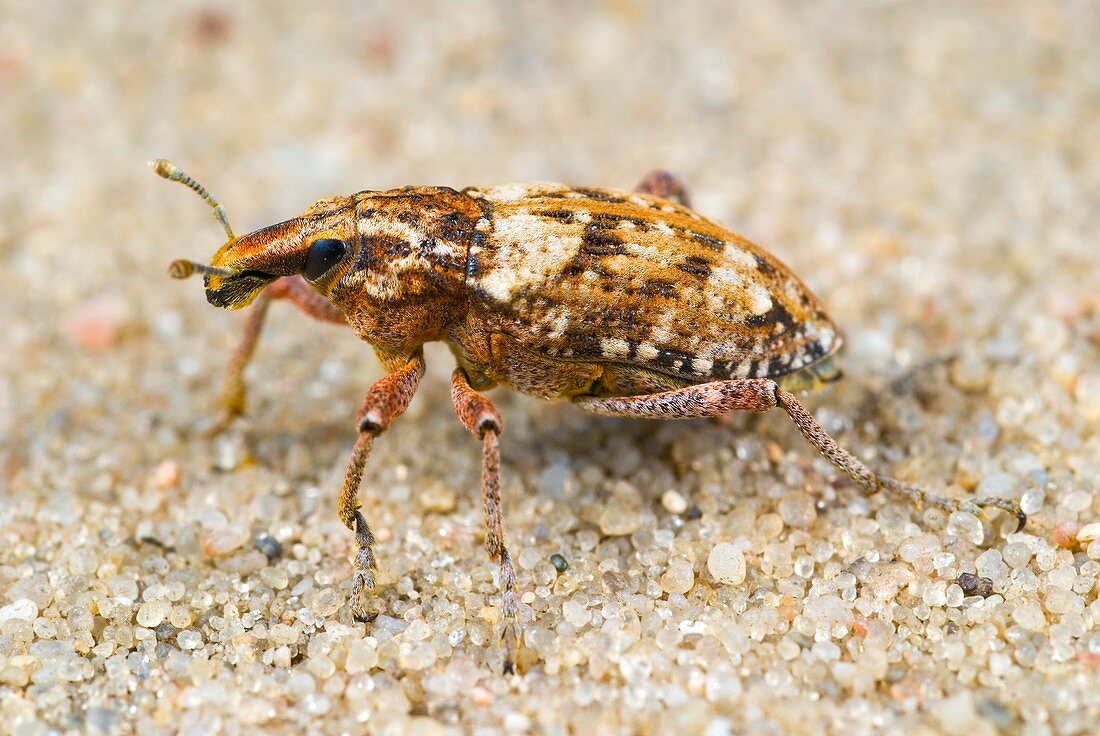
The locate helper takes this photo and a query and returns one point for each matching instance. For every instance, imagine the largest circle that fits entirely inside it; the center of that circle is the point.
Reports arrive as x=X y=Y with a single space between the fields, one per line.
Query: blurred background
x=930 y=170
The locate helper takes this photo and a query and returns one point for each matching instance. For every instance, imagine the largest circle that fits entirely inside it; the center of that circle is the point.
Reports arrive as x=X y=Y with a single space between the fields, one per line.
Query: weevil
x=626 y=303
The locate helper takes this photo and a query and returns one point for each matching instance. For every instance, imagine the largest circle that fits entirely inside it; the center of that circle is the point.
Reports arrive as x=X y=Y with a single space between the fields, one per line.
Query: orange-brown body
x=551 y=290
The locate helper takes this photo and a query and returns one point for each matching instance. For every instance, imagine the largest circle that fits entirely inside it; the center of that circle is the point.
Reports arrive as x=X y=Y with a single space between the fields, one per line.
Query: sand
x=930 y=170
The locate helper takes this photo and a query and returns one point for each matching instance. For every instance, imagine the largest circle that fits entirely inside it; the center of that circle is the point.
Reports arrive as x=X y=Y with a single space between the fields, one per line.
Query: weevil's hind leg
x=762 y=394
x=666 y=185
x=386 y=400
x=482 y=420
x=298 y=292
x=870 y=482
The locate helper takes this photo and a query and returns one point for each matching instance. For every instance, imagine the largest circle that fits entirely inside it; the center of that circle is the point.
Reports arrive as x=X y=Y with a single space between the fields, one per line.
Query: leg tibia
x=385 y=401
x=483 y=421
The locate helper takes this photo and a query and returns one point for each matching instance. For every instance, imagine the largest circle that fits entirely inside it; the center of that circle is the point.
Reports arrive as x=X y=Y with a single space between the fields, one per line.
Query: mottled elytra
x=627 y=303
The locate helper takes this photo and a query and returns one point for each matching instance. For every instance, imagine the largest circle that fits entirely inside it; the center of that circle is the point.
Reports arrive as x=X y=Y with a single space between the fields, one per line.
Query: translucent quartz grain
x=966 y=526
x=678 y=576
x=674 y=502
x=151 y=613
x=797 y=509
x=726 y=564
x=1030 y=616
x=991 y=565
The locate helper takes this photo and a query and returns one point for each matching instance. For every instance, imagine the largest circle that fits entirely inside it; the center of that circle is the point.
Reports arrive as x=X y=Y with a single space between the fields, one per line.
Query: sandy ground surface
x=931 y=171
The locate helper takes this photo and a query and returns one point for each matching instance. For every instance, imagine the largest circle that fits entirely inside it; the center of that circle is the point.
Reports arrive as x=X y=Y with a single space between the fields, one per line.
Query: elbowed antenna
x=171 y=172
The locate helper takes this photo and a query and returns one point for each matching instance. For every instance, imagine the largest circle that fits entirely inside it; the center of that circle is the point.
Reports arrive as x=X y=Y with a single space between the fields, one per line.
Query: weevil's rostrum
x=626 y=303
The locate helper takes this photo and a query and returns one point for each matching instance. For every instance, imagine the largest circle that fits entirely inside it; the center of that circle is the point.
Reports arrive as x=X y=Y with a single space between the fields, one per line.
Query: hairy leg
x=664 y=184
x=386 y=400
x=481 y=419
x=762 y=394
x=298 y=292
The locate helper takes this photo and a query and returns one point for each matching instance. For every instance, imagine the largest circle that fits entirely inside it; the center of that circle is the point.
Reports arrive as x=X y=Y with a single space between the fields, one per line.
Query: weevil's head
x=315 y=244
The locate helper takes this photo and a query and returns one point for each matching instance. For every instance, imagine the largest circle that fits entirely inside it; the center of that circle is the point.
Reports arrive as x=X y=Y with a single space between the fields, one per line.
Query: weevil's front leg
x=386 y=400
x=762 y=394
x=482 y=420
x=297 y=291
x=666 y=185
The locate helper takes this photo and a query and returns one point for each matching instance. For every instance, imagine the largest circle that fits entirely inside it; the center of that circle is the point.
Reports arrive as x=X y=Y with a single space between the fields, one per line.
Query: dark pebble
x=975 y=585
x=269 y=546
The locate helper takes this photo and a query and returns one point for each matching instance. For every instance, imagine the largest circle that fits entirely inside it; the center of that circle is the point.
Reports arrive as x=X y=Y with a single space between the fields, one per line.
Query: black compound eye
x=322 y=256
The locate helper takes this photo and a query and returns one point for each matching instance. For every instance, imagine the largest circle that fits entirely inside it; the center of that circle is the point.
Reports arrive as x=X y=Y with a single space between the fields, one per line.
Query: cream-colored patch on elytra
x=648 y=351
x=760 y=301
x=662 y=334
x=517 y=191
x=729 y=277
x=582 y=217
x=500 y=283
x=661 y=227
x=627 y=225
x=559 y=320
x=702 y=366
x=527 y=252
x=613 y=347
x=733 y=255
x=641 y=251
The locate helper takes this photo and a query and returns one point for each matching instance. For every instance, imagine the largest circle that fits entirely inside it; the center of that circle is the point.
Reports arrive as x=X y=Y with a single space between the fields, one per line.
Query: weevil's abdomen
x=604 y=276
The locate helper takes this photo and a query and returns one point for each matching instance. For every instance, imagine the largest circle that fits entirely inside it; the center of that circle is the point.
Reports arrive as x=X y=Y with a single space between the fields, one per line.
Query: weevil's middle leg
x=762 y=394
x=481 y=419
x=664 y=184
x=386 y=400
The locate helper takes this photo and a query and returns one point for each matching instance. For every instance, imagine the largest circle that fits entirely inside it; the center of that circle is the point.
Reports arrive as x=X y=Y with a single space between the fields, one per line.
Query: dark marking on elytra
x=695 y=266
x=564 y=215
x=778 y=365
x=599 y=242
x=763 y=265
x=654 y=288
x=708 y=241
x=673 y=360
x=777 y=315
x=600 y=196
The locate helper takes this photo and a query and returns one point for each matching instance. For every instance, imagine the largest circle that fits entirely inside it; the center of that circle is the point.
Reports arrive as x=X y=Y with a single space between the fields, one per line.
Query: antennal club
x=181 y=269
x=171 y=172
